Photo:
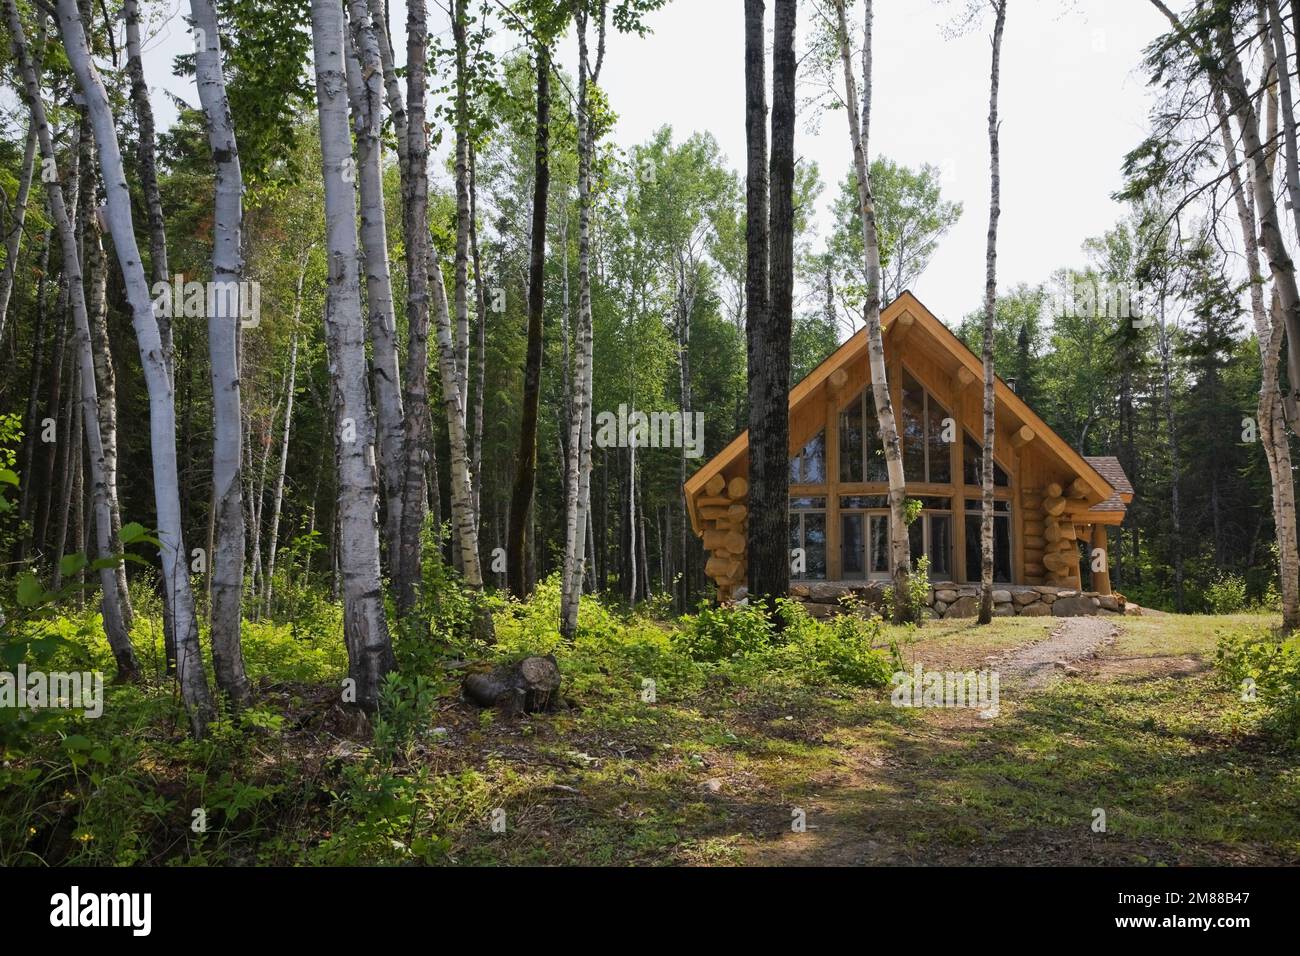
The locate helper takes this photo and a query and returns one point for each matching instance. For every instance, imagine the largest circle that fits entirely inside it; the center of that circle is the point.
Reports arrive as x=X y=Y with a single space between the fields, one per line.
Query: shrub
x=720 y=633
x=1226 y=594
x=1272 y=668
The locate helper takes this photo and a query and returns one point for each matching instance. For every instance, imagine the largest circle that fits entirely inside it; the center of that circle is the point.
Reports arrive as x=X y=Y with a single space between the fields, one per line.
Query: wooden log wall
x=724 y=517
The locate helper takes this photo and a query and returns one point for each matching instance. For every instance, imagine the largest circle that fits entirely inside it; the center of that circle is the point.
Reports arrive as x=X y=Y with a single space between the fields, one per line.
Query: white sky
x=1073 y=102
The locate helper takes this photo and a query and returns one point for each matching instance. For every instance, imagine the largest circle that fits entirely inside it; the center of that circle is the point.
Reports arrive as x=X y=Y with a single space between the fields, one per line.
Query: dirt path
x=1076 y=638
x=846 y=830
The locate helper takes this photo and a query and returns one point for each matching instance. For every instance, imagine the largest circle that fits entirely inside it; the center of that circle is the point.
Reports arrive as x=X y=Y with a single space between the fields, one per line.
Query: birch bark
x=990 y=311
x=366 y=93
x=225 y=311
x=162 y=414
x=900 y=546
x=365 y=628
x=110 y=604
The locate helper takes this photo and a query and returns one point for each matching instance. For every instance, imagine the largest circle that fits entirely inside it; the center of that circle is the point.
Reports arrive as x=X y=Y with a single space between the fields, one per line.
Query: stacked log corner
x=724 y=517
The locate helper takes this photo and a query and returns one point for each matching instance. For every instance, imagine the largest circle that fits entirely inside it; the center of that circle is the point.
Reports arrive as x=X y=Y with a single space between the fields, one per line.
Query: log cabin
x=1052 y=505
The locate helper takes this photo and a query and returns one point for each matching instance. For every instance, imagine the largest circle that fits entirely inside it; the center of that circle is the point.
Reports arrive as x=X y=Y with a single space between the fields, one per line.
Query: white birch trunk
x=900 y=547
x=225 y=310
x=578 y=480
x=162 y=413
x=370 y=652
x=110 y=604
x=990 y=311
x=365 y=78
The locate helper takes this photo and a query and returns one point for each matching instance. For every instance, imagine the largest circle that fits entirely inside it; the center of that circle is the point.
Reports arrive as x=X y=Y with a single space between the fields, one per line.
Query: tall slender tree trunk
x=521 y=495
x=769 y=564
x=31 y=427
x=278 y=497
x=366 y=93
x=578 y=482
x=480 y=375
x=1272 y=425
x=225 y=311
x=990 y=312
x=96 y=275
x=119 y=641
x=459 y=29
x=162 y=414
x=900 y=546
x=370 y=650
x=15 y=232
x=417 y=424
x=147 y=166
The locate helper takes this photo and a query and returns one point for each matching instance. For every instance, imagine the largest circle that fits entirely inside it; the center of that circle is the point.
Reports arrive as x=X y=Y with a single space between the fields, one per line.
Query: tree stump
x=527 y=687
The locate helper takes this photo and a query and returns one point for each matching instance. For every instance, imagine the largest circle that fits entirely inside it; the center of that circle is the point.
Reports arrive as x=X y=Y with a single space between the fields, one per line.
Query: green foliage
x=730 y=631
x=1226 y=594
x=1266 y=672
x=406 y=707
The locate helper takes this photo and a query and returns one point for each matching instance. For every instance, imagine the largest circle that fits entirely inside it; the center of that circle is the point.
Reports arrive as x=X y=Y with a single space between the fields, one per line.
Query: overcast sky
x=1073 y=101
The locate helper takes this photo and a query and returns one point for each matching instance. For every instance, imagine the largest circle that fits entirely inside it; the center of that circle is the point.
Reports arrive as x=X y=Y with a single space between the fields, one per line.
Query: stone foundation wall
x=946 y=599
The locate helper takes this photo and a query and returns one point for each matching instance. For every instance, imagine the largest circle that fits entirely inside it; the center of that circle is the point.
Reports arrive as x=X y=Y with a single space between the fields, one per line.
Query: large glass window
x=930 y=535
x=927 y=455
x=864 y=536
x=1001 y=540
x=809 y=466
x=808 y=532
x=972 y=456
x=862 y=454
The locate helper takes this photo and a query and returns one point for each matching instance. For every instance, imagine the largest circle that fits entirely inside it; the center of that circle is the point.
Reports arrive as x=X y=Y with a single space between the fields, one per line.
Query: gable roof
x=907 y=304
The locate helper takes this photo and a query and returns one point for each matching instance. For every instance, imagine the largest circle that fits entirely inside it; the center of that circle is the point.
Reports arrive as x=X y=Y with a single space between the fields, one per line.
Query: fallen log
x=526 y=687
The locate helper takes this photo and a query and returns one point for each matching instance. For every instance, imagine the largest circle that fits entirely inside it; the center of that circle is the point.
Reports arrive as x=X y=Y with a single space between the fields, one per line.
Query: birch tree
x=225 y=311
x=162 y=414
x=418 y=425
x=365 y=627
x=128 y=667
x=990 y=312
x=900 y=546
x=147 y=165
x=365 y=79
x=578 y=479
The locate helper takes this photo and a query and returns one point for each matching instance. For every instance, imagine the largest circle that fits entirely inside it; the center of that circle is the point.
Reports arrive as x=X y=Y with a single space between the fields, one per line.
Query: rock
x=1109 y=602
x=1036 y=610
x=713 y=785
x=1026 y=597
x=1096 y=602
x=929 y=598
x=967 y=606
x=799 y=590
x=531 y=685
x=1004 y=610
x=740 y=593
x=1067 y=593
x=1046 y=589
x=1001 y=596
x=827 y=592
x=1072 y=607
x=1071 y=670
x=947 y=596
x=1059 y=665
x=1132 y=610
x=940 y=607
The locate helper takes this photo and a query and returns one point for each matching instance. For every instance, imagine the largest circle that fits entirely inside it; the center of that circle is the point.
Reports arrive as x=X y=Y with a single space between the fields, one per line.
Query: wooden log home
x=1052 y=504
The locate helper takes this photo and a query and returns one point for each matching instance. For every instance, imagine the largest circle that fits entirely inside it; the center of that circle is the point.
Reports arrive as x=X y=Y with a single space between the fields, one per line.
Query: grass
x=713 y=772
